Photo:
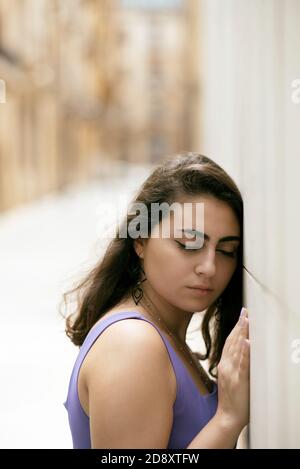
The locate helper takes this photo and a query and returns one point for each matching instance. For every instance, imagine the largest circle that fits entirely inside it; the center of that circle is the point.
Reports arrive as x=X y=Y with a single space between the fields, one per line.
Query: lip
x=200 y=291
x=200 y=287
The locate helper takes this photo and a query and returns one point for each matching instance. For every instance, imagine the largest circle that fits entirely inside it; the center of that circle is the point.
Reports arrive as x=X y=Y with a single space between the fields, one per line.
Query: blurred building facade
x=53 y=61
x=89 y=83
x=152 y=91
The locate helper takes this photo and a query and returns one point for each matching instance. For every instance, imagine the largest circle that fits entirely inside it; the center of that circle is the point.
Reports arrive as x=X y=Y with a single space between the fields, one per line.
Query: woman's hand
x=234 y=374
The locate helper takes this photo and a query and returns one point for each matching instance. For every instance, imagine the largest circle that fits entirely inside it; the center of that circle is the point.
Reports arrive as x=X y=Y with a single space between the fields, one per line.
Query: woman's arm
x=232 y=414
x=220 y=433
x=131 y=388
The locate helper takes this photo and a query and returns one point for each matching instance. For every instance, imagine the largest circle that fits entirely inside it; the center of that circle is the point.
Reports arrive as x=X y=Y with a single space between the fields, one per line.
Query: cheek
x=165 y=266
x=225 y=271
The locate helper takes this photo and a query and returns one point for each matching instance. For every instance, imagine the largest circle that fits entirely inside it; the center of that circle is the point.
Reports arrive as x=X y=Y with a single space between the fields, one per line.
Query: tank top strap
x=99 y=328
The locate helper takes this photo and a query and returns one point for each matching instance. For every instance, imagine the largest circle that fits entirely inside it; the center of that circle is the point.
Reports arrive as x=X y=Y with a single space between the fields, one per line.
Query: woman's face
x=173 y=271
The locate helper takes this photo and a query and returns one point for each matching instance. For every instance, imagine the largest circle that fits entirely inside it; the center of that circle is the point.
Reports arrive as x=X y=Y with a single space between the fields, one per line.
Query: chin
x=193 y=306
x=198 y=305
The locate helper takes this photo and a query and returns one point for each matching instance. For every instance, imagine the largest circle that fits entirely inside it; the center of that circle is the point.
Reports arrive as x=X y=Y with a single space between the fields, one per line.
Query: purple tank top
x=191 y=410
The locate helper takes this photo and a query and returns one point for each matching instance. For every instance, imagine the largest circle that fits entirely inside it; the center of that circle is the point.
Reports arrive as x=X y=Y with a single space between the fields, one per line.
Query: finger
x=234 y=334
x=244 y=328
x=231 y=339
x=235 y=330
x=236 y=352
x=245 y=357
x=241 y=329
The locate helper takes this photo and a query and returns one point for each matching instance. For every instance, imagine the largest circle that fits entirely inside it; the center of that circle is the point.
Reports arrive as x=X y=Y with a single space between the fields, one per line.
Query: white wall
x=249 y=116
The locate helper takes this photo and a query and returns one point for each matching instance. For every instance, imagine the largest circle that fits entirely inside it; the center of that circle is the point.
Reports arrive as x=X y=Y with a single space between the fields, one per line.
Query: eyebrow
x=226 y=238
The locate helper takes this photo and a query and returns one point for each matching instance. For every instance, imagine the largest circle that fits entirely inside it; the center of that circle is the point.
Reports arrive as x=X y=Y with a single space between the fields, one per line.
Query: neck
x=174 y=319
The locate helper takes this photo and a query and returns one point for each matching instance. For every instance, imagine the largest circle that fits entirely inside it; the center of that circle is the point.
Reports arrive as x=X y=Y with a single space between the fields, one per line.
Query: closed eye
x=231 y=254
x=188 y=248
x=228 y=253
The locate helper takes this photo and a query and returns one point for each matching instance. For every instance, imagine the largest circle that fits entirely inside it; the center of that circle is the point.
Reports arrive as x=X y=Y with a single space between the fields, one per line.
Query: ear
x=139 y=245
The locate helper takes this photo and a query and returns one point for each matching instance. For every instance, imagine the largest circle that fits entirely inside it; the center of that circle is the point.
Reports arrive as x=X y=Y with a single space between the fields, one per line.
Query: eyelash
x=227 y=254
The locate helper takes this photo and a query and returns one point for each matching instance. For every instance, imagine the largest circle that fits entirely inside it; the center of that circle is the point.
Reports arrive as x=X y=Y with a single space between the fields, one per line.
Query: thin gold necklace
x=183 y=347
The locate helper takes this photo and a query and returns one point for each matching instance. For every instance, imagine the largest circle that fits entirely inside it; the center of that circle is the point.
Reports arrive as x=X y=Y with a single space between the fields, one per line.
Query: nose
x=206 y=264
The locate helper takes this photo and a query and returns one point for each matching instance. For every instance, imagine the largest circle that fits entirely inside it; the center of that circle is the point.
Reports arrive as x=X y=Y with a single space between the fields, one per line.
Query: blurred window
x=152 y=4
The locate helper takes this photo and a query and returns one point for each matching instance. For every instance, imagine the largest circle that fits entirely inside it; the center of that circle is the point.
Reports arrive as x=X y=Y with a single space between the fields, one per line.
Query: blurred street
x=41 y=246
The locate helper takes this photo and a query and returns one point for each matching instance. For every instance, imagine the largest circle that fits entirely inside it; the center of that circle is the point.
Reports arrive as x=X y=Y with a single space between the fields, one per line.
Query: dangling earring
x=137 y=291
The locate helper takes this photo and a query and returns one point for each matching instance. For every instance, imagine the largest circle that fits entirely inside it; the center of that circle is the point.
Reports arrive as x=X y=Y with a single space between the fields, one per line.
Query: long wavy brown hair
x=113 y=278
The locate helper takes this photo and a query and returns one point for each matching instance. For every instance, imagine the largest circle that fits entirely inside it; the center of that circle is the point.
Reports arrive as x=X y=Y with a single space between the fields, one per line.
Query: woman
x=136 y=384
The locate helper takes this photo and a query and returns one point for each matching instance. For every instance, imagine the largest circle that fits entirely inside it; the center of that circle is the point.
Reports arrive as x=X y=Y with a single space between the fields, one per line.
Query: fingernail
x=242 y=321
x=243 y=316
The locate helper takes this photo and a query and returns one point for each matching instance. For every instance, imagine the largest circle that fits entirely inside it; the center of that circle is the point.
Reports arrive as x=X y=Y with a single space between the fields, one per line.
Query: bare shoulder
x=133 y=338
x=131 y=387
